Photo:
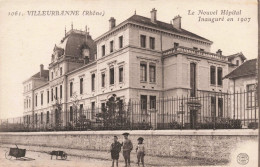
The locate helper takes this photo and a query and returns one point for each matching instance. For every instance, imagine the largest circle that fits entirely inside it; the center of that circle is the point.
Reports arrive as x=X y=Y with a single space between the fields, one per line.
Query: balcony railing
x=186 y=50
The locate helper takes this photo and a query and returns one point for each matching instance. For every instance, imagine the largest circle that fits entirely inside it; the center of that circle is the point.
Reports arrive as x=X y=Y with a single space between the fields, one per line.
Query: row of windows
x=27 y=87
x=103 y=79
x=143 y=72
x=213 y=72
x=56 y=73
x=27 y=118
x=120 y=44
x=144 y=102
x=48 y=96
x=27 y=103
x=143 y=42
x=71 y=114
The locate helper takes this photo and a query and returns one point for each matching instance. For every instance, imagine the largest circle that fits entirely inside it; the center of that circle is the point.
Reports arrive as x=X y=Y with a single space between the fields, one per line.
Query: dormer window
x=85 y=52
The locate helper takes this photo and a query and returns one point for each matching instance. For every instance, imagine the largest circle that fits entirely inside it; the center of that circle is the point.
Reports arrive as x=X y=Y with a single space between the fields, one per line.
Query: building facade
x=243 y=86
x=141 y=59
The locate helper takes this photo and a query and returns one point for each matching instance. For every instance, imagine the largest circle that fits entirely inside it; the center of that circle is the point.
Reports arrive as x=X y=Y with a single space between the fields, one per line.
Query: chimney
x=176 y=22
x=153 y=15
x=41 y=70
x=112 y=23
x=219 y=52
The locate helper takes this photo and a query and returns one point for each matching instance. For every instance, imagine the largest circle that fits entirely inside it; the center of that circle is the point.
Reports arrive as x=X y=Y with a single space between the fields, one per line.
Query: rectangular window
x=60 y=91
x=92 y=110
x=111 y=46
x=51 y=75
x=81 y=108
x=220 y=107
x=51 y=94
x=71 y=114
x=143 y=104
x=193 y=84
x=47 y=117
x=81 y=86
x=213 y=108
x=103 y=106
x=93 y=82
x=36 y=119
x=195 y=48
x=71 y=89
x=103 y=79
x=41 y=117
x=152 y=73
x=152 y=43
x=112 y=75
x=56 y=92
x=152 y=102
x=61 y=71
x=251 y=96
x=175 y=45
x=143 y=72
x=212 y=75
x=121 y=74
x=48 y=96
x=103 y=50
x=41 y=98
x=202 y=50
x=120 y=41
x=143 y=41
x=219 y=76
x=36 y=100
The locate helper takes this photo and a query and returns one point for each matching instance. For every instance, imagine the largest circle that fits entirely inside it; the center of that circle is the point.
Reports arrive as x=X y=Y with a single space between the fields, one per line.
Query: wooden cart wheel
x=64 y=157
x=7 y=156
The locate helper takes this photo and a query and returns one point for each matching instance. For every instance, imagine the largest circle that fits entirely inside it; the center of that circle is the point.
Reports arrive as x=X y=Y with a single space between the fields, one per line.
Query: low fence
x=205 y=111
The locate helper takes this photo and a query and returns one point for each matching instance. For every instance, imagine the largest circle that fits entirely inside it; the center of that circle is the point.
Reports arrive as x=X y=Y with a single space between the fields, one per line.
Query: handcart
x=17 y=153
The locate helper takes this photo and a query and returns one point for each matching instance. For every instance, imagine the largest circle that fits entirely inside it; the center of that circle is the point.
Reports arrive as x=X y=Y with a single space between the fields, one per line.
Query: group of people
x=127 y=148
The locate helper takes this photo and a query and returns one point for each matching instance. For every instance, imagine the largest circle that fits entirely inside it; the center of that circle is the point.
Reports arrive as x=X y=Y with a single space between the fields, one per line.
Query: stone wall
x=216 y=145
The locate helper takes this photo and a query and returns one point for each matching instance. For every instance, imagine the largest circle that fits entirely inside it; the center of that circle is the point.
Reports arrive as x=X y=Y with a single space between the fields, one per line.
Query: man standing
x=127 y=148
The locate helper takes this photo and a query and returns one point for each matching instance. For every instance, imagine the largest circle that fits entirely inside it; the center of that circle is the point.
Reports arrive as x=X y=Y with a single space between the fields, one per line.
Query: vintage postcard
x=129 y=83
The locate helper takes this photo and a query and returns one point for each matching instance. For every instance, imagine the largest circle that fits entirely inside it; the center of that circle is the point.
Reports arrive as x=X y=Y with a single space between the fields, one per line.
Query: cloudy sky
x=28 y=41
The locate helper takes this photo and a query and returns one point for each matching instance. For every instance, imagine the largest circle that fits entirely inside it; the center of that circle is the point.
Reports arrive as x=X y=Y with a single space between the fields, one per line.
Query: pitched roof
x=245 y=69
x=230 y=57
x=163 y=25
x=73 y=42
x=45 y=74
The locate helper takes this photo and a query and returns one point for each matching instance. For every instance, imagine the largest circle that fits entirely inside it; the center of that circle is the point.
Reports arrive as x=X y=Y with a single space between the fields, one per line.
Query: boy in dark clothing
x=127 y=148
x=115 y=148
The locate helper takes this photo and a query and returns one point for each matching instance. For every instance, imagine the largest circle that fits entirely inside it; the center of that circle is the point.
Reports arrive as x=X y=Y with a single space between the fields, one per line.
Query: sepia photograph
x=149 y=83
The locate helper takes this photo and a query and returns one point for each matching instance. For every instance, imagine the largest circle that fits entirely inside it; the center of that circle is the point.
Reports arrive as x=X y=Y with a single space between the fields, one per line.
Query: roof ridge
x=181 y=30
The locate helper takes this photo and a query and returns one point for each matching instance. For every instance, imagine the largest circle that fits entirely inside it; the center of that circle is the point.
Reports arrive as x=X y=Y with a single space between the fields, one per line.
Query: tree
x=57 y=113
x=113 y=115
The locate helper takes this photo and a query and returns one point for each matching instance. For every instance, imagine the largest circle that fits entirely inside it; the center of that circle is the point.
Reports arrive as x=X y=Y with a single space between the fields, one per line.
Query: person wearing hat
x=140 y=149
x=127 y=148
x=115 y=148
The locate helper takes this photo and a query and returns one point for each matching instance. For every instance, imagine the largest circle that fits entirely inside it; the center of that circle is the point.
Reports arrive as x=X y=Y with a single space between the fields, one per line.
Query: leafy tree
x=113 y=115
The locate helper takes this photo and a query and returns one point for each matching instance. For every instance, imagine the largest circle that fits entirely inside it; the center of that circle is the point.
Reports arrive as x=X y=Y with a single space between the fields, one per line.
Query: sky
x=28 y=41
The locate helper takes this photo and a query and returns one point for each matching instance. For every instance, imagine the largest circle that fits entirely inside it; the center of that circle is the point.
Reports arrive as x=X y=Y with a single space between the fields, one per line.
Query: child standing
x=115 y=148
x=140 y=149
x=127 y=148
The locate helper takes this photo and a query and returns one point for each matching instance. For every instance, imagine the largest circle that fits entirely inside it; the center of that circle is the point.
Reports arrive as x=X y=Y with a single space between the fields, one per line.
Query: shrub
x=253 y=125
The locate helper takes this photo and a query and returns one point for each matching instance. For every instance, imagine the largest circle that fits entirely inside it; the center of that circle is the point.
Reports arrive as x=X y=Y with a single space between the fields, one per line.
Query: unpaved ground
x=86 y=158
